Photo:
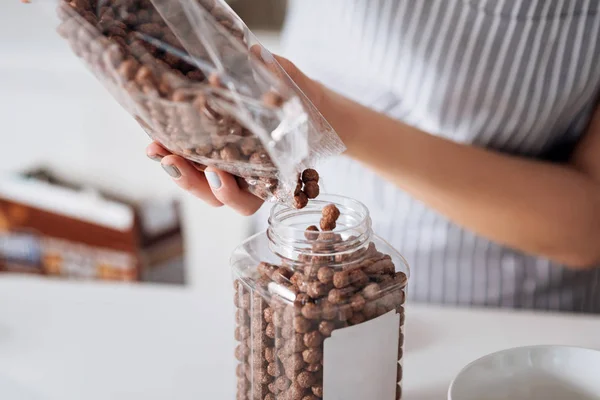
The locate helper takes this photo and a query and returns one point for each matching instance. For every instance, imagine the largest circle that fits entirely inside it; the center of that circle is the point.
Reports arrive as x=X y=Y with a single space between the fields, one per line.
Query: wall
x=266 y=14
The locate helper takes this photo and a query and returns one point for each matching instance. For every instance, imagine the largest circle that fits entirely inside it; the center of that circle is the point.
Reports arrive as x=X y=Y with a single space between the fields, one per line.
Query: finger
x=225 y=188
x=156 y=152
x=311 y=88
x=189 y=178
x=281 y=67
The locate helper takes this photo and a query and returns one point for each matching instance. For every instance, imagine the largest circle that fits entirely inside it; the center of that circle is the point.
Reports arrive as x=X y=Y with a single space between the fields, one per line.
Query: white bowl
x=532 y=373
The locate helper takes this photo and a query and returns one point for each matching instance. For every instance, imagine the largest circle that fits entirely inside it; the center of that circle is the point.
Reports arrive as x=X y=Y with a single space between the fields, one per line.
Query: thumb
x=287 y=71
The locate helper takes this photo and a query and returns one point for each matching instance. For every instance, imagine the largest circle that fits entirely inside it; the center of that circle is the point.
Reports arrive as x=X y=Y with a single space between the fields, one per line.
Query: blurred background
x=78 y=197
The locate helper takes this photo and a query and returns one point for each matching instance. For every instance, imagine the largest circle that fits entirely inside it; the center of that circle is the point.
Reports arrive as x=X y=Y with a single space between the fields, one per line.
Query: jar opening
x=289 y=239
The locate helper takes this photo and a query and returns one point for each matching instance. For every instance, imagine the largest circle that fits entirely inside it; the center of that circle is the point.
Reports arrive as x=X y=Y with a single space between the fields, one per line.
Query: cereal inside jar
x=319 y=306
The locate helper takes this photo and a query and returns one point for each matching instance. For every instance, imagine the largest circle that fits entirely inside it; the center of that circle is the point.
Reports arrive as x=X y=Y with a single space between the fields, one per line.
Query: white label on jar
x=360 y=362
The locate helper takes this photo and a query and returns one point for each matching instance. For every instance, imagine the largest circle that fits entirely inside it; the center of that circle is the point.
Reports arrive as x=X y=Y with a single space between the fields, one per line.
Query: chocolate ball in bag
x=134 y=52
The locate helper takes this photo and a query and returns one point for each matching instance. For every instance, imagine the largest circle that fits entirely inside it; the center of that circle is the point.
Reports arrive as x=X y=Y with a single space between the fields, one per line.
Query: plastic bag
x=185 y=70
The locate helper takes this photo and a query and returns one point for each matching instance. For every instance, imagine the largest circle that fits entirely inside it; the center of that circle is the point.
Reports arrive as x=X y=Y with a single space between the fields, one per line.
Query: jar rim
x=323 y=200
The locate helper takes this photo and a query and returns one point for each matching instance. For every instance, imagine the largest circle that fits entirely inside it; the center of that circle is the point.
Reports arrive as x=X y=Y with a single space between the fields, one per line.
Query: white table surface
x=75 y=341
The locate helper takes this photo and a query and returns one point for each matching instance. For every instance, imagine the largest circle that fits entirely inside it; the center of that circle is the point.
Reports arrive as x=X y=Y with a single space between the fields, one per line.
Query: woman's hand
x=546 y=209
x=215 y=187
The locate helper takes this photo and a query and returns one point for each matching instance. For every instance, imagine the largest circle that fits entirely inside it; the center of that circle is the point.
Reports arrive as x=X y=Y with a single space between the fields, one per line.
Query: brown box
x=53 y=227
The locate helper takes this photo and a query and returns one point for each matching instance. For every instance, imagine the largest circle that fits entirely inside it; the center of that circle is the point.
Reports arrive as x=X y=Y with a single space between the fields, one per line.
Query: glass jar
x=320 y=315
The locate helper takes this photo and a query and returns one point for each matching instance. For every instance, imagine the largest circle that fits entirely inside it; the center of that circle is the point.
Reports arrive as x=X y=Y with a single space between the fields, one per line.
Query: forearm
x=537 y=207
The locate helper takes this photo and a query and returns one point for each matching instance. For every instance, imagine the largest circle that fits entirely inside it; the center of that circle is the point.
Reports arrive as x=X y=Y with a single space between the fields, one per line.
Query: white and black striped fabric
x=517 y=76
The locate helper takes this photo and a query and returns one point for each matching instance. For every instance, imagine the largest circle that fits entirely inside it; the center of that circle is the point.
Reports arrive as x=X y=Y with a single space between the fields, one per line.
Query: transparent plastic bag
x=188 y=72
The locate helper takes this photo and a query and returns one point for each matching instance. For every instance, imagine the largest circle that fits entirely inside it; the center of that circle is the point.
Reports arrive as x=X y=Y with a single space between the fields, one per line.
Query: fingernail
x=213 y=179
x=172 y=170
x=155 y=157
